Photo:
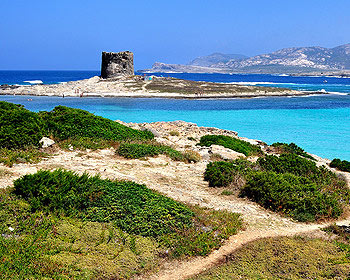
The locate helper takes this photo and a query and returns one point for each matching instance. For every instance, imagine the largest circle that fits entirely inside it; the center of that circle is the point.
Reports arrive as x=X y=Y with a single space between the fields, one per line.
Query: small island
x=118 y=80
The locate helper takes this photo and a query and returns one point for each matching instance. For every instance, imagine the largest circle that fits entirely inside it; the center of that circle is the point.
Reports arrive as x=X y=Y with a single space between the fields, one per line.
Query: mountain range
x=288 y=60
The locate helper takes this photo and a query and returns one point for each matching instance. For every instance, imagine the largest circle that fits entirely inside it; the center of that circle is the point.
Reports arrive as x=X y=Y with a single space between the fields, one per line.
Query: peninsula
x=118 y=80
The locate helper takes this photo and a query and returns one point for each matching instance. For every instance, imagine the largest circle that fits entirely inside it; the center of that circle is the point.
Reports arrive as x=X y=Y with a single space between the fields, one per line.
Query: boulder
x=117 y=64
x=226 y=153
x=46 y=142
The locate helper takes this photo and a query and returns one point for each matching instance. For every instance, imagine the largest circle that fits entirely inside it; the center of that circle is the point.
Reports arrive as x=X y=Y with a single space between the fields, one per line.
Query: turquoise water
x=319 y=124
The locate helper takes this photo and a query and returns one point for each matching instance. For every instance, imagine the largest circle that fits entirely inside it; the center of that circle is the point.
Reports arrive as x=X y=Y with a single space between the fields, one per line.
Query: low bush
x=219 y=173
x=230 y=143
x=132 y=207
x=19 y=128
x=129 y=207
x=68 y=123
x=293 y=195
x=223 y=173
x=342 y=165
x=294 y=164
x=136 y=150
x=288 y=184
x=291 y=148
x=291 y=163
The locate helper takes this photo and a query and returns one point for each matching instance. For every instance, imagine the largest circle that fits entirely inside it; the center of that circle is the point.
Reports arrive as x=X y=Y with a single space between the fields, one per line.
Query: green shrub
x=19 y=128
x=223 y=173
x=291 y=148
x=68 y=123
x=289 y=163
x=183 y=230
x=293 y=195
x=294 y=164
x=135 y=150
x=132 y=207
x=230 y=143
x=342 y=165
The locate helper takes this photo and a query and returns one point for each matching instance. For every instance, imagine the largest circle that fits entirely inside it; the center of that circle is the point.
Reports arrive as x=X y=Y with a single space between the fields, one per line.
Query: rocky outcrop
x=117 y=64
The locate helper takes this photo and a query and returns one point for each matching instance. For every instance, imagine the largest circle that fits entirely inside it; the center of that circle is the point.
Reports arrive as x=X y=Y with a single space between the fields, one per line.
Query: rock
x=226 y=153
x=117 y=64
x=46 y=142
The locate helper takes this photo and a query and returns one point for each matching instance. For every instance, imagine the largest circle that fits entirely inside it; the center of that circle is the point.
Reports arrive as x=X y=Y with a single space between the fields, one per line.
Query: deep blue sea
x=319 y=124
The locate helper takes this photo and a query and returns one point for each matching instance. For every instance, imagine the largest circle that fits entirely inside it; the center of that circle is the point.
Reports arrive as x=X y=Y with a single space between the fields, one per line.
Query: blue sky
x=71 y=34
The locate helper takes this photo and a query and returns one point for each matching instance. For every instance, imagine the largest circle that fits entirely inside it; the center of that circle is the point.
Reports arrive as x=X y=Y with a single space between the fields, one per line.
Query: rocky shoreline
x=149 y=87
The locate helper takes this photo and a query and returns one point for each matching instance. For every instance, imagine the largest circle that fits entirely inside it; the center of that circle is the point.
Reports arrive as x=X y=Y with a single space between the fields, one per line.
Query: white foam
x=34 y=82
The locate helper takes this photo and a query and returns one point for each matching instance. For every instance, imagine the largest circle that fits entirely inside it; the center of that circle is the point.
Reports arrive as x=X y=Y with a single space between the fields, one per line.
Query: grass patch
x=230 y=143
x=192 y=156
x=291 y=148
x=227 y=192
x=4 y=172
x=36 y=246
x=174 y=133
x=283 y=258
x=31 y=155
x=136 y=150
x=342 y=165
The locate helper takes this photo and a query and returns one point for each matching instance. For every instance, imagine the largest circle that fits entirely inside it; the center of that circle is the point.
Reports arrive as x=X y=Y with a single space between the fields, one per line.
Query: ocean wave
x=33 y=82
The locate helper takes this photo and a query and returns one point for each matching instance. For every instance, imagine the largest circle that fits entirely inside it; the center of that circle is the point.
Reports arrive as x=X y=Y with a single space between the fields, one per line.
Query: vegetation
x=174 y=133
x=230 y=143
x=342 y=165
x=36 y=246
x=132 y=207
x=293 y=195
x=283 y=258
x=192 y=156
x=291 y=148
x=30 y=155
x=223 y=173
x=289 y=184
x=19 y=128
x=136 y=150
x=60 y=225
x=68 y=123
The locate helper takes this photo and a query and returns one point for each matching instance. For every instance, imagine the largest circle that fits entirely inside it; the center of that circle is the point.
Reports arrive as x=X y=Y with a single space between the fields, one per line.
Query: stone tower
x=117 y=64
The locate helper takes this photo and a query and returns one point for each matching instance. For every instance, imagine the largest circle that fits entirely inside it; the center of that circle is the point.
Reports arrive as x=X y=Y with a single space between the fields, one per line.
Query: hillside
x=287 y=60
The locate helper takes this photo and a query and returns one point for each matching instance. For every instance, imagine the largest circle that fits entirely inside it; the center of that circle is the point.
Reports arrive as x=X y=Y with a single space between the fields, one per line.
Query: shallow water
x=319 y=124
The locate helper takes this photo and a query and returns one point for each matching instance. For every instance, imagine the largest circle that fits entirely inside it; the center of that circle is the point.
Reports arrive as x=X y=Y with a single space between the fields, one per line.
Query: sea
x=320 y=123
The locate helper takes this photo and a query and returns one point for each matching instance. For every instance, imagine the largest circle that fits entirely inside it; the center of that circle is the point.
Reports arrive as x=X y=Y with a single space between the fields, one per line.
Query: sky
x=71 y=34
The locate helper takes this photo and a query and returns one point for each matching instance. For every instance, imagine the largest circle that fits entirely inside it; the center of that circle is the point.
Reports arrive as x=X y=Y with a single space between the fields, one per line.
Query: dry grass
x=284 y=258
